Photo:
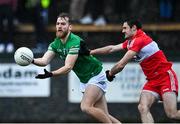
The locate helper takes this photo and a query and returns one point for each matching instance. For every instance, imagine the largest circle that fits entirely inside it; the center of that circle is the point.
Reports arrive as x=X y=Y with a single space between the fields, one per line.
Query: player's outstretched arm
x=118 y=67
x=69 y=64
x=43 y=61
x=46 y=74
x=107 y=49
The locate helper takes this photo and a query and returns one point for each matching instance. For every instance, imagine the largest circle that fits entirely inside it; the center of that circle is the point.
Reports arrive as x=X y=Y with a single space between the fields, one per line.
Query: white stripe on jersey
x=147 y=51
x=74 y=50
x=172 y=80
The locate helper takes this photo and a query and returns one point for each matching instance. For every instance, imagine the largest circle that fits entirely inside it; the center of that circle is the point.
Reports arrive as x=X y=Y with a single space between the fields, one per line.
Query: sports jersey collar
x=69 y=37
x=66 y=39
x=138 y=33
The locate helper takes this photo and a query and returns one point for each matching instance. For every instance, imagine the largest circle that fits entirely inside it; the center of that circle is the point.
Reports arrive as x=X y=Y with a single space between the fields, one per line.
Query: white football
x=23 y=56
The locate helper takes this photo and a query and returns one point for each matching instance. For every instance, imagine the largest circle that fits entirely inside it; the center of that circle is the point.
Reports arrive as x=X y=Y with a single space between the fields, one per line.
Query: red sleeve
x=136 y=45
x=124 y=44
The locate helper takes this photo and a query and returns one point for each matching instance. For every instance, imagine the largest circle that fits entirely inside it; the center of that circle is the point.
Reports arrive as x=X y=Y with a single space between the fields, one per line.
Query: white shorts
x=99 y=80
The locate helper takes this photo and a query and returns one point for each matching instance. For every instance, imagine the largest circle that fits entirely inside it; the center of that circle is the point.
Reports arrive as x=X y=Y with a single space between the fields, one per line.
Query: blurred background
x=31 y=23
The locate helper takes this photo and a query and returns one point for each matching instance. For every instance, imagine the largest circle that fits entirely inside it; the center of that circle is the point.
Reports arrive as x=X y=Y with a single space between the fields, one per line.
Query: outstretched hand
x=45 y=75
x=109 y=77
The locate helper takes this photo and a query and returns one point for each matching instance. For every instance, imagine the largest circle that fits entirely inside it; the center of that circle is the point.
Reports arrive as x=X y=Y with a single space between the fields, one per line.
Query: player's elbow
x=69 y=68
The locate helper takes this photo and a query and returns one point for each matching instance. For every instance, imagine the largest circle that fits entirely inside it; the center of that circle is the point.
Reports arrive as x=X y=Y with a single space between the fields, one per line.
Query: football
x=23 y=56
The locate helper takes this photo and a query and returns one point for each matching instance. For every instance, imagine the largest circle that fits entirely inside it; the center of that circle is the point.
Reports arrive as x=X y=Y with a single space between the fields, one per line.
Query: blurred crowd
x=41 y=13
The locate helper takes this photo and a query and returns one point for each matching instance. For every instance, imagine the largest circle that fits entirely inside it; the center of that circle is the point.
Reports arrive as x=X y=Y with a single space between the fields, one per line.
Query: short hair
x=134 y=21
x=65 y=15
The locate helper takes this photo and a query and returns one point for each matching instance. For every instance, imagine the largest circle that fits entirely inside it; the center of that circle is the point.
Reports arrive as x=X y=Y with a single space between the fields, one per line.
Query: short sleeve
x=124 y=44
x=74 y=49
x=136 y=45
x=51 y=47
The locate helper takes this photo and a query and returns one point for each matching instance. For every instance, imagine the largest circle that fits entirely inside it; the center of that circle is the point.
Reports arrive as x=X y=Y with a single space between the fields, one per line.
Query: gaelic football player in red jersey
x=161 y=82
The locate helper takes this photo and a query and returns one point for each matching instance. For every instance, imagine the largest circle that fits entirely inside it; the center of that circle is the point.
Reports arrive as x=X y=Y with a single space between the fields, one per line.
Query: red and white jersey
x=151 y=58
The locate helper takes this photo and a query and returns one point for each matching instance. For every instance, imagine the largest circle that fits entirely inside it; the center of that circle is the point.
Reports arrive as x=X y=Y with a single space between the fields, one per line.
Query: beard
x=61 y=34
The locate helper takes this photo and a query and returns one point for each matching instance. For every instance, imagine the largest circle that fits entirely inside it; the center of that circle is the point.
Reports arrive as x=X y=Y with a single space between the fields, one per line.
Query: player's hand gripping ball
x=23 y=56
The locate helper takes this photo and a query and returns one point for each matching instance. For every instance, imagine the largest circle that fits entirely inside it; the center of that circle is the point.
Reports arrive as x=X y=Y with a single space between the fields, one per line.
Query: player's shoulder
x=74 y=39
x=143 y=39
x=55 y=42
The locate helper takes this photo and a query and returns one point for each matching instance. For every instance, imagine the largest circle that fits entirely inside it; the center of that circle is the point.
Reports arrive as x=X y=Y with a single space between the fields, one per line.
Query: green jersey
x=86 y=66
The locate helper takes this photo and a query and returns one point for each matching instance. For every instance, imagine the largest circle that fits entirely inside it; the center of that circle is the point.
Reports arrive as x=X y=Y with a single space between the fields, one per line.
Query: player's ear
x=134 y=27
x=70 y=27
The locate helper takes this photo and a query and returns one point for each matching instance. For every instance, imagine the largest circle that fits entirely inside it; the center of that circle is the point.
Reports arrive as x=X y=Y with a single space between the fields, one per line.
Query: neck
x=134 y=34
x=65 y=38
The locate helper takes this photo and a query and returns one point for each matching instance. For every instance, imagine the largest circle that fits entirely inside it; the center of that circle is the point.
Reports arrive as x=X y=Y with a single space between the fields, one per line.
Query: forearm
x=45 y=60
x=40 y=62
x=116 y=69
x=103 y=50
x=61 y=71
x=58 y=72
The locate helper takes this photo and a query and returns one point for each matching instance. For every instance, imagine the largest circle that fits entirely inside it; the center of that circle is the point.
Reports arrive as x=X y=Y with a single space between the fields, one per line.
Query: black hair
x=65 y=15
x=134 y=21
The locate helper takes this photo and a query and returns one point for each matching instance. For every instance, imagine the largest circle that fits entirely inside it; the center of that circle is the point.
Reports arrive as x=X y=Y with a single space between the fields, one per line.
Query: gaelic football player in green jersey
x=72 y=49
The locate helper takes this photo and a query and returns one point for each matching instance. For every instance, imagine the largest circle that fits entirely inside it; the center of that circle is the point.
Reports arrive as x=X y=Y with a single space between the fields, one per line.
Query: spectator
x=119 y=9
x=7 y=9
x=98 y=10
x=39 y=12
x=95 y=13
x=77 y=8
x=166 y=9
